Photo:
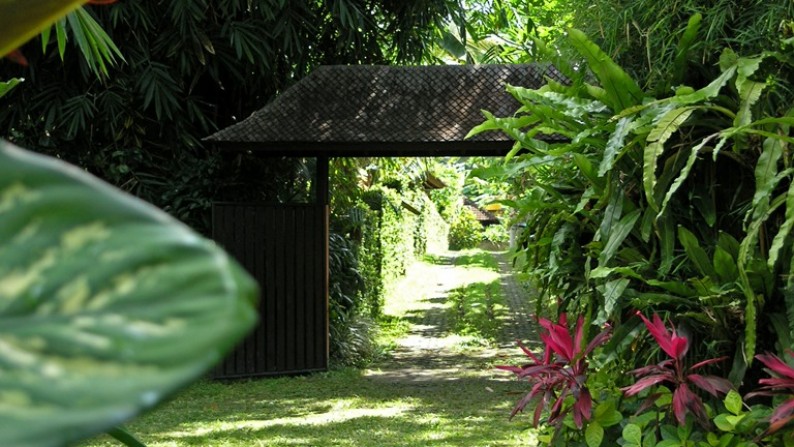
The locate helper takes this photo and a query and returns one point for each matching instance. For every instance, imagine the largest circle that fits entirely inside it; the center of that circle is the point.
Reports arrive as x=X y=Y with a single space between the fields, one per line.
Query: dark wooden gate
x=284 y=248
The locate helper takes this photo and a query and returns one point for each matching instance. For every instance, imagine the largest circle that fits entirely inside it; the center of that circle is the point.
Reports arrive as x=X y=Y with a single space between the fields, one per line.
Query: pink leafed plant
x=673 y=373
x=781 y=382
x=560 y=372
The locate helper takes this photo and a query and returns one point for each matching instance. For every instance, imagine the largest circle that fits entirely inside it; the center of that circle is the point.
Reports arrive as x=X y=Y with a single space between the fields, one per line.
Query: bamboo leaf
x=107 y=304
x=6 y=86
x=617 y=236
x=621 y=90
x=60 y=34
x=695 y=253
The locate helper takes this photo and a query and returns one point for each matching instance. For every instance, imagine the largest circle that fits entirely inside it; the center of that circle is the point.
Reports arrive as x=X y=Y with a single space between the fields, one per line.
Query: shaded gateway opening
x=343 y=111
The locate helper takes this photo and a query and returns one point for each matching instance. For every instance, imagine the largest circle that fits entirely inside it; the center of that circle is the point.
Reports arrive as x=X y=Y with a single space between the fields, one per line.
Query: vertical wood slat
x=283 y=248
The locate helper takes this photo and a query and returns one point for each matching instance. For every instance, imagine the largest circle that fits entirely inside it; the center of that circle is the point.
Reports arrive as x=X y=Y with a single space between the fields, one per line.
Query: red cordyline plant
x=781 y=382
x=561 y=372
x=674 y=373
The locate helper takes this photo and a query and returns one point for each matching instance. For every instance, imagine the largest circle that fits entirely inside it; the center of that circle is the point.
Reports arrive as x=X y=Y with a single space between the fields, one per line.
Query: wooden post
x=324 y=201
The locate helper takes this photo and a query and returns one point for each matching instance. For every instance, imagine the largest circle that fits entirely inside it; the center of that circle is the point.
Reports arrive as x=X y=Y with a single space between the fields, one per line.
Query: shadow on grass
x=342 y=408
x=419 y=397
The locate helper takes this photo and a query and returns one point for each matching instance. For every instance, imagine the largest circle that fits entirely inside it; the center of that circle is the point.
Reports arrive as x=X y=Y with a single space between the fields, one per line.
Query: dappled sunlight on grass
x=437 y=386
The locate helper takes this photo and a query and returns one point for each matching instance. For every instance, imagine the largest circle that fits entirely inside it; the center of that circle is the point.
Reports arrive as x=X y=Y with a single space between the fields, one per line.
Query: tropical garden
x=652 y=192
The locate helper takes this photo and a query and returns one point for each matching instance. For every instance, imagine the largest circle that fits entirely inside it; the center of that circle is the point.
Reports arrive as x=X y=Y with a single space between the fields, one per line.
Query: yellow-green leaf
x=20 y=21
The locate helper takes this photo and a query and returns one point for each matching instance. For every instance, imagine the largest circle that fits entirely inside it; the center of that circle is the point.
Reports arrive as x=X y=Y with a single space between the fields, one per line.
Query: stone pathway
x=430 y=352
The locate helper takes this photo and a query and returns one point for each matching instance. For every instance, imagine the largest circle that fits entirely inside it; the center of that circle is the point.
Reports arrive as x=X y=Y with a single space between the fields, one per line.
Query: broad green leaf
x=746 y=67
x=107 y=305
x=621 y=90
x=664 y=129
x=785 y=230
x=749 y=94
x=668 y=124
x=604 y=272
x=615 y=144
x=682 y=51
x=617 y=236
x=695 y=253
x=611 y=291
x=729 y=244
x=6 y=86
x=651 y=299
x=493 y=123
x=684 y=174
x=733 y=402
x=632 y=434
x=607 y=414
x=452 y=45
x=677 y=287
x=708 y=92
x=780 y=323
x=586 y=168
x=649 y=160
x=594 y=434
x=20 y=21
x=666 y=235
x=721 y=421
x=725 y=265
x=705 y=202
x=612 y=213
x=766 y=178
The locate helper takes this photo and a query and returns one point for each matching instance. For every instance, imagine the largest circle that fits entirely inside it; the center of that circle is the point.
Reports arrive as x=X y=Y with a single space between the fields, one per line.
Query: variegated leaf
x=107 y=304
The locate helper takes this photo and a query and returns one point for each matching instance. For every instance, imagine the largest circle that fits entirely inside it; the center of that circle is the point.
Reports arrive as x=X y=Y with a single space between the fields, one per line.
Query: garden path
x=431 y=352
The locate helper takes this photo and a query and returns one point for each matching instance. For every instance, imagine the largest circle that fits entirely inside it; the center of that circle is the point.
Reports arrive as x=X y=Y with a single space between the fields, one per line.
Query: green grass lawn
x=339 y=408
x=362 y=407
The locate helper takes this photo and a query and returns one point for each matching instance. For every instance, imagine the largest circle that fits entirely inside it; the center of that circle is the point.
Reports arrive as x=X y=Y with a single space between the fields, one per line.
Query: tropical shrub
x=560 y=374
x=644 y=36
x=497 y=234
x=681 y=204
x=465 y=231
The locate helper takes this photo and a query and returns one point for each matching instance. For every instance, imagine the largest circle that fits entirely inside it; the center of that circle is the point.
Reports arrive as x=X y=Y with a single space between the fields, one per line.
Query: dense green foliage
x=680 y=203
x=465 y=231
x=643 y=36
x=193 y=67
x=499 y=31
x=382 y=219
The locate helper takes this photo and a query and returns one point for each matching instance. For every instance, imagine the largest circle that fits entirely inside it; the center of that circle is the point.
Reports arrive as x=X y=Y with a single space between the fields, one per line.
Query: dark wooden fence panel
x=283 y=247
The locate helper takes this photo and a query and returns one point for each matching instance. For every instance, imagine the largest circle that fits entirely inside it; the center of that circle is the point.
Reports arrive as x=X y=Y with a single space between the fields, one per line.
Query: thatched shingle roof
x=386 y=111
